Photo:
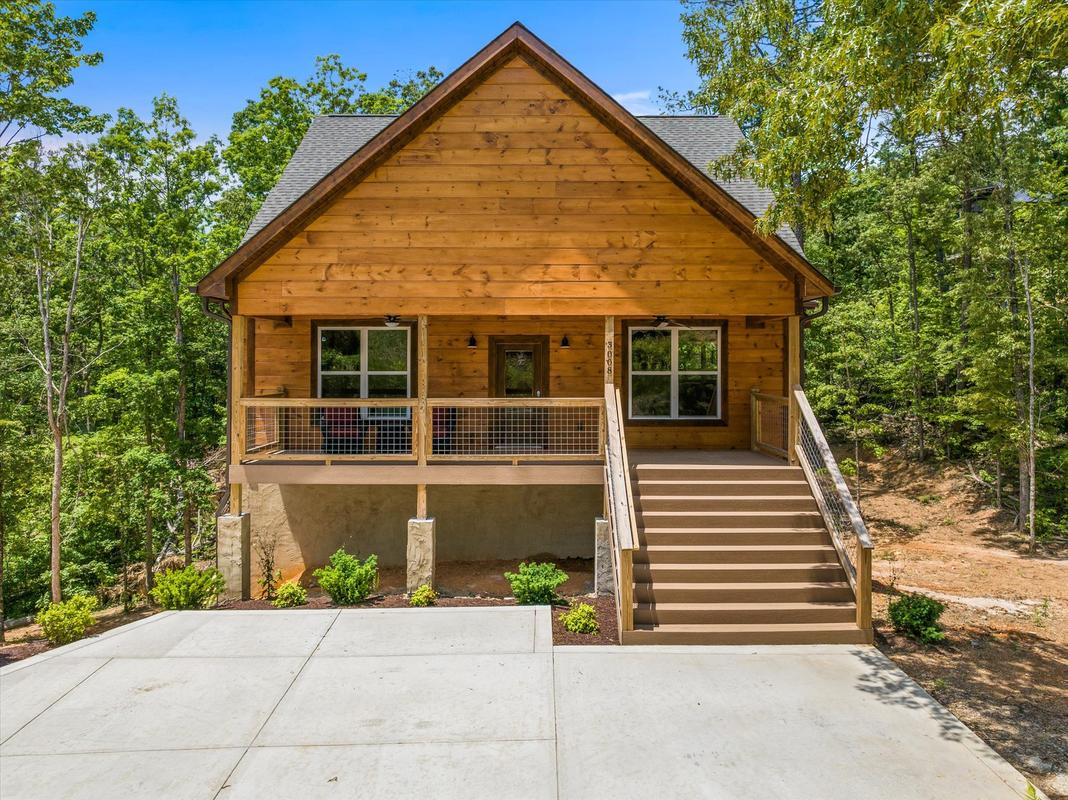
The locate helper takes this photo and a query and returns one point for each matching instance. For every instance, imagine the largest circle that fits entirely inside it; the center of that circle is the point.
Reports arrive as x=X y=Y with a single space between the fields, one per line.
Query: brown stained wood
x=510 y=94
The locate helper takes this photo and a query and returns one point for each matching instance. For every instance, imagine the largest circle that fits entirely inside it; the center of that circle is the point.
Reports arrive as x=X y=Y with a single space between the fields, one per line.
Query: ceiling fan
x=666 y=322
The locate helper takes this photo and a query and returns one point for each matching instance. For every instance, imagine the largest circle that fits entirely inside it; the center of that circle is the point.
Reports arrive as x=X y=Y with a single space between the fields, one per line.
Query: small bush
x=916 y=615
x=63 y=623
x=535 y=584
x=347 y=579
x=188 y=588
x=581 y=619
x=423 y=596
x=290 y=595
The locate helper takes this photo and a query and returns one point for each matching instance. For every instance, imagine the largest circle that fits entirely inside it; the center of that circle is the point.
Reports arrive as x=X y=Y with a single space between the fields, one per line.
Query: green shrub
x=581 y=619
x=423 y=596
x=535 y=584
x=347 y=579
x=289 y=595
x=916 y=615
x=188 y=588
x=64 y=623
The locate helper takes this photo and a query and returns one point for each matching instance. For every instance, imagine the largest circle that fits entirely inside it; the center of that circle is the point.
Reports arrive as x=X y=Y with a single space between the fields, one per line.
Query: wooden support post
x=626 y=589
x=422 y=438
x=754 y=420
x=420 y=501
x=793 y=378
x=610 y=350
x=239 y=359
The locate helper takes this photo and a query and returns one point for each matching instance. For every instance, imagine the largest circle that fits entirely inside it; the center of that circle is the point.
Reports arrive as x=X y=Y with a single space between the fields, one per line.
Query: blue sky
x=213 y=56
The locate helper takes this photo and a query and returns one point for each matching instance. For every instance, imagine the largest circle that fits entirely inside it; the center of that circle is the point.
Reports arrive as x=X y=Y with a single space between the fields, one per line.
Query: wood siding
x=516 y=201
x=755 y=358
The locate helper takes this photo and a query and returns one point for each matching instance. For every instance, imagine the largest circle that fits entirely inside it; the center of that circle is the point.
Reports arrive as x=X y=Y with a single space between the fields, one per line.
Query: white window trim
x=364 y=371
x=674 y=373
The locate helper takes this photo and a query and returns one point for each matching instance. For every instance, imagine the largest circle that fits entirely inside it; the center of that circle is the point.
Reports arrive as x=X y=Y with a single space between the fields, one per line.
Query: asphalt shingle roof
x=333 y=138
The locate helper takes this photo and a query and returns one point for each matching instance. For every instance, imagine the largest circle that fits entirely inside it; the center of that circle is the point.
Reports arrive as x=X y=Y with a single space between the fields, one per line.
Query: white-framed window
x=364 y=361
x=674 y=373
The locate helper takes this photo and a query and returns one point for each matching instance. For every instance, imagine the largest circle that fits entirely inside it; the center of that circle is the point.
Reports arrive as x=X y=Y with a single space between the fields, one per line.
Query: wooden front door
x=519 y=368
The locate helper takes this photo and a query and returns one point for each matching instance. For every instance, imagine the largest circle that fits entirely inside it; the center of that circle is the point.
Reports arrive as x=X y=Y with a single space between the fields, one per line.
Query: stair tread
x=777 y=606
x=737 y=548
x=732 y=530
x=754 y=585
x=764 y=627
x=666 y=465
x=745 y=566
x=721 y=482
x=701 y=498
x=733 y=513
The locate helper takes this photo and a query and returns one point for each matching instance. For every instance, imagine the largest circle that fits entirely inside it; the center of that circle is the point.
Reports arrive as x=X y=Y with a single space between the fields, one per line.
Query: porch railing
x=839 y=510
x=770 y=423
x=529 y=429
x=476 y=429
x=619 y=498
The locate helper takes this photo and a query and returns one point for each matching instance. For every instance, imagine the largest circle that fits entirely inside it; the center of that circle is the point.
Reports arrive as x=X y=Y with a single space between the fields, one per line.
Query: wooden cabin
x=517 y=320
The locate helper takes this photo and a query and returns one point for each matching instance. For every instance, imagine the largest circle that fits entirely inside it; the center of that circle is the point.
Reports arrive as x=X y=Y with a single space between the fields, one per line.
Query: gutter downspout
x=806 y=320
x=206 y=304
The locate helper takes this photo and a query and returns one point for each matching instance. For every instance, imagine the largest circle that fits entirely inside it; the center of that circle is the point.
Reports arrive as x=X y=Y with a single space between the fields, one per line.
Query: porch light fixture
x=392 y=321
x=565 y=343
x=472 y=343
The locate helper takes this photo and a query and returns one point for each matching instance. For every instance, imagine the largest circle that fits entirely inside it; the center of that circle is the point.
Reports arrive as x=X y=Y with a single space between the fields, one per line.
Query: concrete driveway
x=468 y=703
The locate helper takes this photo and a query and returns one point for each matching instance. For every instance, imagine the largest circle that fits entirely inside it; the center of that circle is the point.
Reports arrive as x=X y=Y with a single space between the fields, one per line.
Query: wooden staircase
x=735 y=554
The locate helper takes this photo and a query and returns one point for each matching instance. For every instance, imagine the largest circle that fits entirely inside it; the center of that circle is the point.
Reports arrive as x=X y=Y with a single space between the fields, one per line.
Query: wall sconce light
x=392 y=321
x=565 y=343
x=472 y=343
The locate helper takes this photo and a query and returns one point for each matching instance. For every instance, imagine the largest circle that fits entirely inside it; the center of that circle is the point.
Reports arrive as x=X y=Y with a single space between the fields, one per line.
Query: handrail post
x=754 y=419
x=863 y=590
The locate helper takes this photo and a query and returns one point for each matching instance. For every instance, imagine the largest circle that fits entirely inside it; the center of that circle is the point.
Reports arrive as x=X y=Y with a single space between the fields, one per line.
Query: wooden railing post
x=754 y=419
x=863 y=590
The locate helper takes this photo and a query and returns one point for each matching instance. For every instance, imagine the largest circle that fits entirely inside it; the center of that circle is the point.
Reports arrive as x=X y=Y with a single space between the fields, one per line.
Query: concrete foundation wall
x=473 y=522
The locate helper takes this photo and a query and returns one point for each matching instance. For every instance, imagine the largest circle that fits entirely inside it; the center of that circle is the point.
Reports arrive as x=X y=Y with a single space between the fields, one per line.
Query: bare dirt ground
x=28 y=640
x=1003 y=669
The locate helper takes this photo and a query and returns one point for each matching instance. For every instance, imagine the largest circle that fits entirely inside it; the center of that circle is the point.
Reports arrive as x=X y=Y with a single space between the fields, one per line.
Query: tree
x=39 y=52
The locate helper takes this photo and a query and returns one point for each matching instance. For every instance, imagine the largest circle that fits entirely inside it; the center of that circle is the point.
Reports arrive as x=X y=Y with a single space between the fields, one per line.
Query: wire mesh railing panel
x=835 y=512
x=357 y=429
x=515 y=430
x=771 y=422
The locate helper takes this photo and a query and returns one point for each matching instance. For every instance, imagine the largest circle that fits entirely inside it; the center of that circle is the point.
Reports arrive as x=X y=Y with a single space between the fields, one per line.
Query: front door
x=519 y=368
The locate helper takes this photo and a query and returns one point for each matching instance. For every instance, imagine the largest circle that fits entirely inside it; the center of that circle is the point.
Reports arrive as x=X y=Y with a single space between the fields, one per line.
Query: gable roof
x=334 y=137
x=289 y=211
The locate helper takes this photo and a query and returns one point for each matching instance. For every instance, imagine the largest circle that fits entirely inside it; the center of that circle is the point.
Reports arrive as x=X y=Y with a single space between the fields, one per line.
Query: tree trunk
x=149 y=548
x=914 y=305
x=57 y=485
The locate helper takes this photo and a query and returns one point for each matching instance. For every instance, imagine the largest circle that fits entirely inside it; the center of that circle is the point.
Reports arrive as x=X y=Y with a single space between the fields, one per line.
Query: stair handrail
x=620 y=500
x=836 y=504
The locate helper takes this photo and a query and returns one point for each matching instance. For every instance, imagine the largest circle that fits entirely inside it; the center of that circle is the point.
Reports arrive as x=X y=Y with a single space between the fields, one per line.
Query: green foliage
x=423 y=596
x=347 y=579
x=535 y=583
x=290 y=594
x=581 y=618
x=39 y=52
x=66 y=622
x=916 y=615
x=188 y=588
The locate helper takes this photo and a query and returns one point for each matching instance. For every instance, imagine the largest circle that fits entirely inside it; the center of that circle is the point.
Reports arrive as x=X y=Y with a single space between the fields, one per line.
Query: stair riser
x=644 y=593
x=680 y=519
x=699 y=488
x=752 y=537
x=824 y=555
x=644 y=573
x=691 y=473
x=736 y=504
x=668 y=637
x=713 y=616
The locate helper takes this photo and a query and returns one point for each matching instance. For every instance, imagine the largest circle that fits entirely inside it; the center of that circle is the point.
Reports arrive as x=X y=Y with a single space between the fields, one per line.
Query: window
x=675 y=373
x=364 y=362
